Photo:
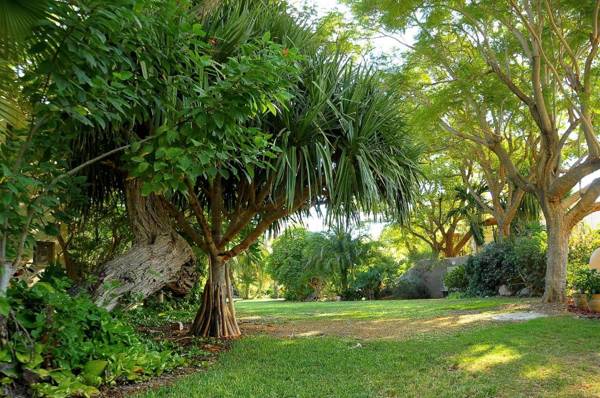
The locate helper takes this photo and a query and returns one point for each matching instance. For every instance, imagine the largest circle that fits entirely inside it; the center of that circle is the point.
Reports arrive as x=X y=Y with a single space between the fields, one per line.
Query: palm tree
x=338 y=253
x=248 y=269
x=337 y=139
x=340 y=141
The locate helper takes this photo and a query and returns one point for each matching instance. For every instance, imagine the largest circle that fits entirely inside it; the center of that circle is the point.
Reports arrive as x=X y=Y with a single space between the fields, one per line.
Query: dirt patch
x=389 y=329
x=519 y=316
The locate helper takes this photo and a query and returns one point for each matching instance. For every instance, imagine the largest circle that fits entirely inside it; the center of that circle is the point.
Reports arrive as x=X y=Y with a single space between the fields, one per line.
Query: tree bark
x=156 y=259
x=216 y=316
x=556 y=258
x=344 y=279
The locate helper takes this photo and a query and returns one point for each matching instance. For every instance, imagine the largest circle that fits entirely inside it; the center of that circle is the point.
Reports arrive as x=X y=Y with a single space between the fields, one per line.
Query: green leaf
x=136 y=146
x=144 y=69
x=141 y=167
x=125 y=75
x=4 y=307
x=197 y=29
x=92 y=371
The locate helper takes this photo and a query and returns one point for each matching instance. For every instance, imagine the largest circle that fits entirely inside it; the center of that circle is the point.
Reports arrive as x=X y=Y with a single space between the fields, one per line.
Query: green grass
x=547 y=357
x=367 y=310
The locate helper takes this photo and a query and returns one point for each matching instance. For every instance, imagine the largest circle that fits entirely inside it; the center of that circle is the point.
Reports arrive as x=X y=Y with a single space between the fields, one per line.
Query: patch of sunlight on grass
x=555 y=357
x=483 y=357
x=541 y=372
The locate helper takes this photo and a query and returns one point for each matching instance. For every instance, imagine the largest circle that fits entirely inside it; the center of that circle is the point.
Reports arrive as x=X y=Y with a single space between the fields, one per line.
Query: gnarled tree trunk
x=216 y=316
x=556 y=260
x=159 y=255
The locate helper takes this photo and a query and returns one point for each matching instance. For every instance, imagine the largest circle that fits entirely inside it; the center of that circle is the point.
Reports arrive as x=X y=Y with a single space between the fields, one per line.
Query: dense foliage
x=456 y=280
x=586 y=281
x=582 y=244
x=315 y=265
x=288 y=266
x=60 y=344
x=517 y=263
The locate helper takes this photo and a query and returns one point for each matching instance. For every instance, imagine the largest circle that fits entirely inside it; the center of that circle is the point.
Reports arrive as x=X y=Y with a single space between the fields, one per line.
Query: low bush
x=582 y=244
x=517 y=263
x=489 y=269
x=586 y=281
x=456 y=280
x=58 y=345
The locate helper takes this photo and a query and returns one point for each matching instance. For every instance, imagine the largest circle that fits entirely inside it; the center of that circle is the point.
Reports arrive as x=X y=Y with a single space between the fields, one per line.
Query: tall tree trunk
x=216 y=315
x=558 y=250
x=344 y=279
x=156 y=259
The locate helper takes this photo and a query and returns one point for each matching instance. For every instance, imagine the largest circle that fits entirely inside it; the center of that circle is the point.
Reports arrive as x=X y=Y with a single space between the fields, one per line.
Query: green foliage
x=288 y=265
x=98 y=236
x=249 y=271
x=351 y=267
x=528 y=255
x=489 y=269
x=518 y=262
x=582 y=244
x=456 y=280
x=336 y=253
x=69 y=345
x=376 y=271
x=586 y=281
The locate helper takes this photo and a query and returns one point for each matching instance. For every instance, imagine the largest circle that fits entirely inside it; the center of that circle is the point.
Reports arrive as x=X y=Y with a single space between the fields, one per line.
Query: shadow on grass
x=550 y=357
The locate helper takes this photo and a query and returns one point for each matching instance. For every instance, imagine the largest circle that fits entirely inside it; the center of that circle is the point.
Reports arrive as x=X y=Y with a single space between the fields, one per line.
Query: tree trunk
x=344 y=279
x=503 y=228
x=156 y=259
x=216 y=315
x=556 y=260
x=73 y=271
x=6 y=273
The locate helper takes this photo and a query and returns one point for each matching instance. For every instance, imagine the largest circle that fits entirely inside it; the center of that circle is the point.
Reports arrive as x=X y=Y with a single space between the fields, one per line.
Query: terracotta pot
x=594 y=303
x=581 y=301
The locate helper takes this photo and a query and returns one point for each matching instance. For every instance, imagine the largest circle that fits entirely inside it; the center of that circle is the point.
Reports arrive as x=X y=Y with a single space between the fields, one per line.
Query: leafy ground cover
x=553 y=356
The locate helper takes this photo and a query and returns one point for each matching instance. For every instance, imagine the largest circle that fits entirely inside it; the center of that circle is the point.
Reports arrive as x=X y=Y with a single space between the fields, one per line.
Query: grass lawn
x=557 y=356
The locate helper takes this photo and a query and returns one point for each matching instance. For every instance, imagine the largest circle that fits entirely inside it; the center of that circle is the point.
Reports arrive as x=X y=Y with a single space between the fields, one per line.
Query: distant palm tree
x=337 y=252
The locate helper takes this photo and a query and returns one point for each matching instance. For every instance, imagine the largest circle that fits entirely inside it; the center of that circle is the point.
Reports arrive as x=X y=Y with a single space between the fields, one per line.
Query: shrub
x=489 y=269
x=287 y=264
x=528 y=256
x=456 y=280
x=377 y=271
x=581 y=245
x=60 y=346
x=586 y=281
x=518 y=263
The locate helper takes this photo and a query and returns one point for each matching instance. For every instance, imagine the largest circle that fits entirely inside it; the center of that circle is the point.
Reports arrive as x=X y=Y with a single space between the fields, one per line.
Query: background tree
x=337 y=252
x=436 y=219
x=288 y=264
x=249 y=271
x=539 y=54
x=57 y=99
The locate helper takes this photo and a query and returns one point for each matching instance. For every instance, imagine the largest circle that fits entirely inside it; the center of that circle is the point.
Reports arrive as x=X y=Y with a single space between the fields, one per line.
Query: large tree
x=542 y=53
x=323 y=130
x=441 y=217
